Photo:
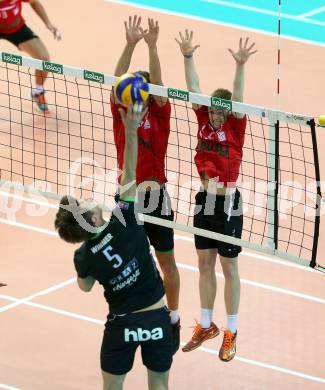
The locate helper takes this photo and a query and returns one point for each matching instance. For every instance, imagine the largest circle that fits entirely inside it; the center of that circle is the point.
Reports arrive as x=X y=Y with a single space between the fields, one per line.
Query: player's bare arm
x=131 y=121
x=241 y=56
x=151 y=38
x=187 y=48
x=133 y=34
x=40 y=11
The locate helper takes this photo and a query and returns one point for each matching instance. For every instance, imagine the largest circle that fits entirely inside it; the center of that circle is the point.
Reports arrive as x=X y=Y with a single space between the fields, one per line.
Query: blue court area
x=300 y=19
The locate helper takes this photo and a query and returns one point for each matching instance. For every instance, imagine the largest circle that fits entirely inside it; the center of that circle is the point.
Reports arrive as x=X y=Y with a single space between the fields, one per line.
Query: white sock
x=38 y=89
x=232 y=322
x=206 y=317
x=174 y=316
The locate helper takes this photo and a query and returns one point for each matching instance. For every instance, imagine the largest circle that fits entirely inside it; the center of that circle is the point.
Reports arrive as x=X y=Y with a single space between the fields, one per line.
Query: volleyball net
x=71 y=150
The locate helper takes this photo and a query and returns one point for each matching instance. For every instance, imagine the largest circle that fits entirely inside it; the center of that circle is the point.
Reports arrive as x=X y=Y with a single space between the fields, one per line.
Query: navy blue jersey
x=120 y=260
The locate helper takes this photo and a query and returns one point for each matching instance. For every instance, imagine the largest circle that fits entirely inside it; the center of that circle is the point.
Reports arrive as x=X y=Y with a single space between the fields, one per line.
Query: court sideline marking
x=3 y=386
x=187 y=267
x=299 y=18
x=203 y=349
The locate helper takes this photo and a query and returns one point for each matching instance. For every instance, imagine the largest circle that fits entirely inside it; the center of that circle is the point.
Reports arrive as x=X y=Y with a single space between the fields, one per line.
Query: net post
x=273 y=182
x=312 y=125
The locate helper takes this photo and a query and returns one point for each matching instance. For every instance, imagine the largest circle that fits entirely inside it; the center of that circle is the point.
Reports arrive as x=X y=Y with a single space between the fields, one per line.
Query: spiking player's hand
x=185 y=44
x=151 y=35
x=134 y=31
x=133 y=117
x=244 y=52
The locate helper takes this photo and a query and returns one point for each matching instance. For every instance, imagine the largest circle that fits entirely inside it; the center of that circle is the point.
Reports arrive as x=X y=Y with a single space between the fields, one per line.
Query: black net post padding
x=312 y=125
x=276 y=179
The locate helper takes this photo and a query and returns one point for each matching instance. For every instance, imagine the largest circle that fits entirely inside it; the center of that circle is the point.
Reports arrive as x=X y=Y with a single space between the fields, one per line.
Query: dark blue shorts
x=22 y=35
x=151 y=330
x=222 y=214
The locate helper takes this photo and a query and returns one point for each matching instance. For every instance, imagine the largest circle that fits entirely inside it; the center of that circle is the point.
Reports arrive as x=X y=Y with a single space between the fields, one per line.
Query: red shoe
x=228 y=349
x=200 y=335
x=39 y=99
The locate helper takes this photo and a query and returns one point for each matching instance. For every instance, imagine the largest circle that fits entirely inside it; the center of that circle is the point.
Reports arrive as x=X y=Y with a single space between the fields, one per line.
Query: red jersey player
x=218 y=204
x=14 y=30
x=153 y=134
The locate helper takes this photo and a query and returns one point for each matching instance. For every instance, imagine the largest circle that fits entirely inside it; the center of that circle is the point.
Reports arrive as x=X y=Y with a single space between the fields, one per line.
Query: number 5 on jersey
x=116 y=259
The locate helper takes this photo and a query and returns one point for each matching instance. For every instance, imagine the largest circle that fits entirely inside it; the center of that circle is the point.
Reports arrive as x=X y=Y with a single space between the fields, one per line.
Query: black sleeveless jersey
x=120 y=260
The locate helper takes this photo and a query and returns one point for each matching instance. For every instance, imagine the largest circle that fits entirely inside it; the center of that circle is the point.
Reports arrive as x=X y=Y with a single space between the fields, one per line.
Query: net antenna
x=72 y=151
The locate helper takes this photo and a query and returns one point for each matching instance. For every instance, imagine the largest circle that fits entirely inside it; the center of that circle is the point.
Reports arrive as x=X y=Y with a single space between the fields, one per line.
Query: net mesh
x=71 y=151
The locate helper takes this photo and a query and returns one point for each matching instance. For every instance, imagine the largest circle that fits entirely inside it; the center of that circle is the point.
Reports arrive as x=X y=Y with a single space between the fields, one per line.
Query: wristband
x=188 y=55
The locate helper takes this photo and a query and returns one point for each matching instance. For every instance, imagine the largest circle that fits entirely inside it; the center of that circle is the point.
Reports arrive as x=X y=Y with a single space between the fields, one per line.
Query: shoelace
x=227 y=339
x=197 y=329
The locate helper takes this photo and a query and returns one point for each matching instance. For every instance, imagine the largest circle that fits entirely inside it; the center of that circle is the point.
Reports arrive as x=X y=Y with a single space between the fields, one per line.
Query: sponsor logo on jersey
x=127 y=282
x=142 y=334
x=127 y=271
x=210 y=146
x=146 y=124
x=221 y=136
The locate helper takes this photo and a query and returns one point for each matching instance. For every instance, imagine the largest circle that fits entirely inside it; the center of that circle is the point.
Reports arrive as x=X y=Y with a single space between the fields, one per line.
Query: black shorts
x=224 y=215
x=22 y=35
x=123 y=334
x=160 y=237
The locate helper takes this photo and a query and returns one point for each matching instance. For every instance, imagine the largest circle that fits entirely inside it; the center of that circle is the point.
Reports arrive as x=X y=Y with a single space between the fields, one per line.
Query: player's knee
x=230 y=269
x=167 y=264
x=158 y=380
x=206 y=266
x=112 y=382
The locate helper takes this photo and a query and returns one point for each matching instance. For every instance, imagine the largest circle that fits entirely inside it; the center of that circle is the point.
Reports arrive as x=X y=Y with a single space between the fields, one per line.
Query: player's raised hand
x=151 y=35
x=56 y=33
x=244 y=51
x=134 y=31
x=185 y=43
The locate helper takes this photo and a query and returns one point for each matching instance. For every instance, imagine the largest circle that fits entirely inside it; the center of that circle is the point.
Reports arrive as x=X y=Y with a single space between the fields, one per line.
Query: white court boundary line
x=2 y=386
x=206 y=350
x=187 y=267
x=300 y=18
x=311 y=13
x=177 y=236
x=289 y=37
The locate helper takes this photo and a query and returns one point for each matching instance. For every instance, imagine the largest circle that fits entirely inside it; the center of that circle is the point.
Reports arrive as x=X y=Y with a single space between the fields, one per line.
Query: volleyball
x=131 y=88
x=321 y=120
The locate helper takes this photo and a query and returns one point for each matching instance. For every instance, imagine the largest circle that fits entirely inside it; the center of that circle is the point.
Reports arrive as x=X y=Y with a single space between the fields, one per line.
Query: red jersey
x=11 y=19
x=153 y=134
x=219 y=152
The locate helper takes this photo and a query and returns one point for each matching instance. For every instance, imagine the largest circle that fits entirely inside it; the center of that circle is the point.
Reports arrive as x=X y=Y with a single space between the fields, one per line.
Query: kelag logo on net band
x=93 y=76
x=178 y=94
x=52 y=67
x=221 y=103
x=12 y=59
